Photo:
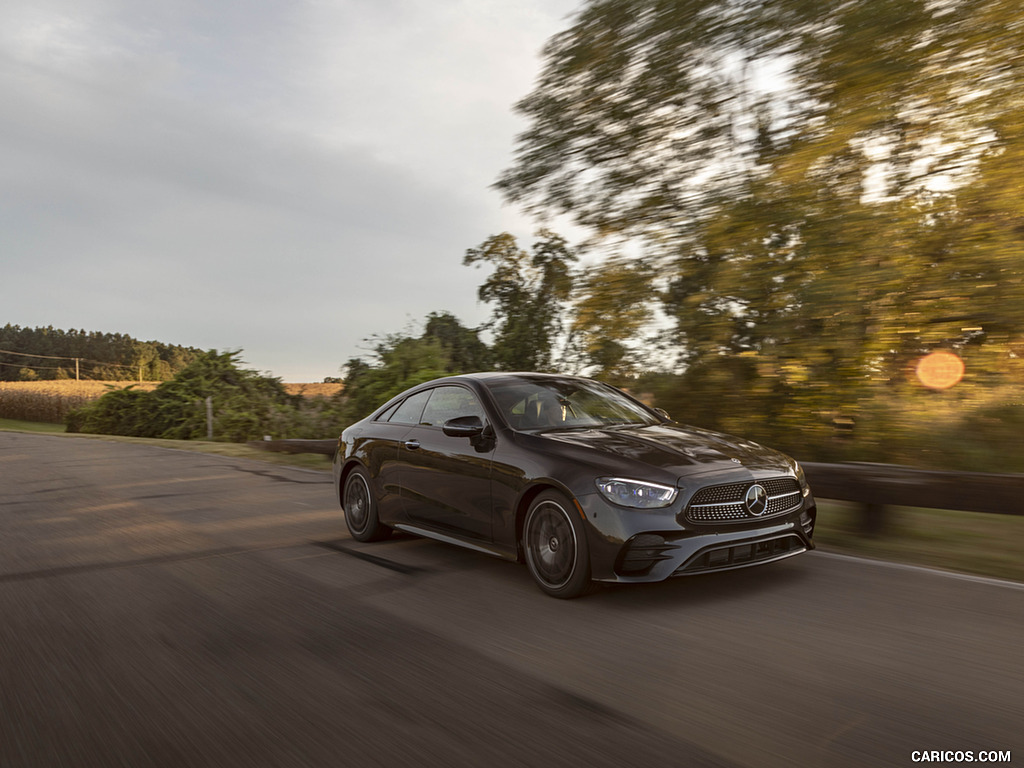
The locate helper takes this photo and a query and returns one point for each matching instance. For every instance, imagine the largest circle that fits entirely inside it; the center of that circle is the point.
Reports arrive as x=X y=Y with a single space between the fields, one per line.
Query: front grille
x=724 y=503
x=722 y=558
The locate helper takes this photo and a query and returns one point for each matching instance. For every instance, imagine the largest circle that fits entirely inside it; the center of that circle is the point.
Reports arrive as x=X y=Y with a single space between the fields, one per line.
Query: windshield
x=553 y=403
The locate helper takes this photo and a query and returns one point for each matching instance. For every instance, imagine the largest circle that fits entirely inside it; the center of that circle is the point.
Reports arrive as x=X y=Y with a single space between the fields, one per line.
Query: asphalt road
x=168 y=608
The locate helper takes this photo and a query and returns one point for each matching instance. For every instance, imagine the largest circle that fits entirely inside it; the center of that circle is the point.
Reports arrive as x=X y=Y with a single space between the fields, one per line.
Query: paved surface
x=166 y=608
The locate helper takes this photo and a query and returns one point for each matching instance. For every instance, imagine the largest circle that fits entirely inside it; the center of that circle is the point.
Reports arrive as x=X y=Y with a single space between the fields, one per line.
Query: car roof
x=483 y=375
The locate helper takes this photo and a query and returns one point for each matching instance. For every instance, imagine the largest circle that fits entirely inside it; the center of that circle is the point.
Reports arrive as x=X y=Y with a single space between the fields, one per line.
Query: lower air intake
x=641 y=553
x=740 y=555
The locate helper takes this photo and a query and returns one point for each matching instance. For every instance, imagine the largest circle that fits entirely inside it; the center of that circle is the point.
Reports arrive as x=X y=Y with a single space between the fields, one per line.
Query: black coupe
x=576 y=478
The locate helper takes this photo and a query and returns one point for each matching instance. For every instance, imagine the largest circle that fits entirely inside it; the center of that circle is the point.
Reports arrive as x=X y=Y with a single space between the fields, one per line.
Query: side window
x=386 y=416
x=410 y=409
x=450 y=403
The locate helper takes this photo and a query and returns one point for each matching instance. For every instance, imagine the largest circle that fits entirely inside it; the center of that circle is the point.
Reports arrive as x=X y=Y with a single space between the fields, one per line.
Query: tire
x=555 y=547
x=360 y=507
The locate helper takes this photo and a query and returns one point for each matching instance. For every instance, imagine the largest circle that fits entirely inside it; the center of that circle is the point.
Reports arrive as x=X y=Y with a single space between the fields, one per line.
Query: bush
x=246 y=405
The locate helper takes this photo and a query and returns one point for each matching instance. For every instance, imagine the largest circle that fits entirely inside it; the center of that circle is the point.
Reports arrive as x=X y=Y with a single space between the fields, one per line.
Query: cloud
x=287 y=178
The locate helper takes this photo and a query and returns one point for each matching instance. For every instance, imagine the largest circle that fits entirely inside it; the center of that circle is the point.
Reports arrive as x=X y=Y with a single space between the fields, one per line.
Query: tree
x=462 y=347
x=53 y=353
x=399 y=362
x=246 y=404
x=646 y=111
x=828 y=188
x=612 y=305
x=529 y=290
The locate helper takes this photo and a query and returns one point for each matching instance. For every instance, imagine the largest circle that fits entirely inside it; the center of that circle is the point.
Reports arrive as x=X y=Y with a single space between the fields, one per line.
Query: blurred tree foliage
x=401 y=360
x=30 y=354
x=823 y=193
x=611 y=307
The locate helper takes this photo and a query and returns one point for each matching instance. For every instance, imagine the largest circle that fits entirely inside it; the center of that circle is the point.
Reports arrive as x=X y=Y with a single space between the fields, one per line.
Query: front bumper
x=633 y=546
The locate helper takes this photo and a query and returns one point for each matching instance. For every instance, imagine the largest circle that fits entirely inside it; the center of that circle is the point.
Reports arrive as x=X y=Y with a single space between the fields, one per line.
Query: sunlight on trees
x=821 y=229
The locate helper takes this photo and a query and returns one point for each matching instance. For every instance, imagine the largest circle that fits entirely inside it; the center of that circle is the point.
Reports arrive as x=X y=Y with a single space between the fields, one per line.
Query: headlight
x=633 y=493
x=800 y=478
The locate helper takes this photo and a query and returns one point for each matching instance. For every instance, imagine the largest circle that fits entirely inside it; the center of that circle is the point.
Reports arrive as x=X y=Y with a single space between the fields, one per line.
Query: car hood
x=676 y=448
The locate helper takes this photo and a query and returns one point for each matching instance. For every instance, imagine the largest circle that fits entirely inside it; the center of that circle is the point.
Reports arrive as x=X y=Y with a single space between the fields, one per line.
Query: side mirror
x=464 y=426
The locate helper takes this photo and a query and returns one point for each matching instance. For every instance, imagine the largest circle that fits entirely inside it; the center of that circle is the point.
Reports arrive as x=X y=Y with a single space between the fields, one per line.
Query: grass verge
x=967 y=542
x=31 y=426
x=234 y=450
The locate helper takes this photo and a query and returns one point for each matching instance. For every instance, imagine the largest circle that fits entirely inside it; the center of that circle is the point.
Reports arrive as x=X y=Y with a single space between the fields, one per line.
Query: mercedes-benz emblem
x=756 y=500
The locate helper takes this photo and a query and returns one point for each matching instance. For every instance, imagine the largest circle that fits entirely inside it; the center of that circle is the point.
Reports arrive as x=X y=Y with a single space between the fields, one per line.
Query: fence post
x=873 y=519
x=209 y=417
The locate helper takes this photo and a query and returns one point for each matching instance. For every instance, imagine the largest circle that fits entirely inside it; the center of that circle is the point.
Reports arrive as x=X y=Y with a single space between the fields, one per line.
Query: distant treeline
x=30 y=354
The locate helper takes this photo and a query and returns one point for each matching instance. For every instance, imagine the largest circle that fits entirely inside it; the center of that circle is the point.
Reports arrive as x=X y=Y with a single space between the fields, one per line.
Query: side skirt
x=487 y=549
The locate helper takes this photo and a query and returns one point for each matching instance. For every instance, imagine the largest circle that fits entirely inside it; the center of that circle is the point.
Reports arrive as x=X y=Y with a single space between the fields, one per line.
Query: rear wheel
x=555 y=547
x=360 y=508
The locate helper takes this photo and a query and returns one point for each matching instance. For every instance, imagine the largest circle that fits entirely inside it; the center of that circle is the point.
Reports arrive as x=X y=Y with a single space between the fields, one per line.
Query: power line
x=76 y=359
x=54 y=368
x=24 y=354
x=36 y=367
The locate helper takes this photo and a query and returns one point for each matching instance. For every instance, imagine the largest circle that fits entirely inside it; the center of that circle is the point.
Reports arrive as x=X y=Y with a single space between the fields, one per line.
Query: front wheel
x=555 y=547
x=360 y=508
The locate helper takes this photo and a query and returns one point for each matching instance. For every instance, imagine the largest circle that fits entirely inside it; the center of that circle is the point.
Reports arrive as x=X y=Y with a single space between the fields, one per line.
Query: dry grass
x=313 y=390
x=50 y=401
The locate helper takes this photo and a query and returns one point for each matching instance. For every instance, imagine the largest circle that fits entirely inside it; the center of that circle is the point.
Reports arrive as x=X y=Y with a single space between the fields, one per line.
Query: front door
x=446 y=481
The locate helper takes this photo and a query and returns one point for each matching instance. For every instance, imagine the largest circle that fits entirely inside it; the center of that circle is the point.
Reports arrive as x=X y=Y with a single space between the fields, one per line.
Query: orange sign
x=940 y=370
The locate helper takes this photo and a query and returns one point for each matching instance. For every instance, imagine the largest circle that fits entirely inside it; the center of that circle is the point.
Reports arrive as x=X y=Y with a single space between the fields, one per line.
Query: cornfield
x=50 y=401
x=319 y=389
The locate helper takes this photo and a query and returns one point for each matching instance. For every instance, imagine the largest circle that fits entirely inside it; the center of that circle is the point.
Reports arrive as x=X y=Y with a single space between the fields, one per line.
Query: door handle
x=412 y=445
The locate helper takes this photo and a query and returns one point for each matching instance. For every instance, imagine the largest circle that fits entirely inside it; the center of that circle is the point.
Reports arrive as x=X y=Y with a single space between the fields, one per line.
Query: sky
x=284 y=177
